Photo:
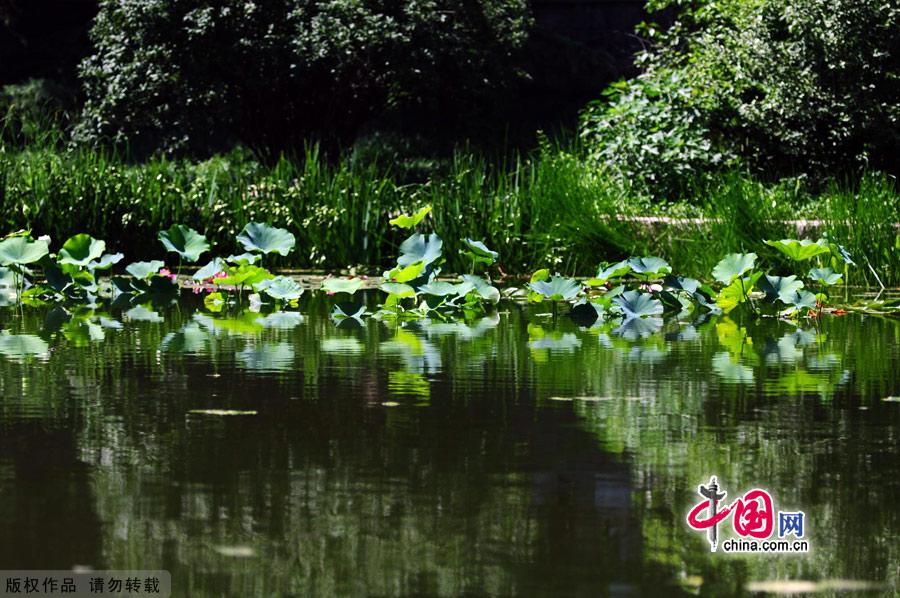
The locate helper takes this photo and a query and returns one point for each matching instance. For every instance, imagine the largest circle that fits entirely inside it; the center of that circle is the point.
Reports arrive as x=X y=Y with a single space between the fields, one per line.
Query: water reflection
x=274 y=453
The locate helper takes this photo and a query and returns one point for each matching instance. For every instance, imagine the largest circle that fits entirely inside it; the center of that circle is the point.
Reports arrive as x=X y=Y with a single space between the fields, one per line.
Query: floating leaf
x=733 y=266
x=649 y=266
x=404 y=221
x=635 y=304
x=607 y=272
x=144 y=270
x=261 y=237
x=280 y=288
x=777 y=287
x=825 y=276
x=184 y=241
x=342 y=285
x=556 y=288
x=16 y=251
x=418 y=248
x=80 y=250
x=800 y=250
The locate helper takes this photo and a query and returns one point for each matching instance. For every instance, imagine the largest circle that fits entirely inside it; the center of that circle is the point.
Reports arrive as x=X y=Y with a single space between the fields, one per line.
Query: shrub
x=203 y=75
x=788 y=86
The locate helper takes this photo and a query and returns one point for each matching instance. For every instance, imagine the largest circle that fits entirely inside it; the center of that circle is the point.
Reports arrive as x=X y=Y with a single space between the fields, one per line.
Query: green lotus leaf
x=398 y=289
x=801 y=300
x=343 y=309
x=405 y=273
x=732 y=266
x=144 y=270
x=825 y=276
x=342 y=285
x=404 y=221
x=280 y=288
x=215 y=266
x=243 y=258
x=777 y=287
x=16 y=251
x=608 y=272
x=106 y=261
x=80 y=250
x=649 y=266
x=266 y=239
x=418 y=248
x=736 y=293
x=479 y=252
x=682 y=284
x=184 y=241
x=485 y=289
x=634 y=304
x=800 y=250
x=244 y=275
x=556 y=288
x=542 y=274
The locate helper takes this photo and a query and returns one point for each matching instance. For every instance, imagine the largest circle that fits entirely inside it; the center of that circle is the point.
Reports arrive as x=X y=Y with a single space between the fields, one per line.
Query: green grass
x=548 y=209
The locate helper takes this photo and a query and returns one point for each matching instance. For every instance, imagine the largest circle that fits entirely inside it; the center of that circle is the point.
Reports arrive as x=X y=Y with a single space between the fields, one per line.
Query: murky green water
x=512 y=455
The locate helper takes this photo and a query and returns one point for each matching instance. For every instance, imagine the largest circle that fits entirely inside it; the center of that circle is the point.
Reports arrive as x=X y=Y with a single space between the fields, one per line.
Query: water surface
x=281 y=454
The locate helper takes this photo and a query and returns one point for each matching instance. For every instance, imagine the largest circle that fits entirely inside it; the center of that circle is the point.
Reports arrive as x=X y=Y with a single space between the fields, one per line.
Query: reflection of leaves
x=635 y=328
x=190 y=339
x=141 y=313
x=247 y=324
x=20 y=346
x=281 y=320
x=554 y=340
x=345 y=345
x=731 y=371
x=267 y=357
x=409 y=384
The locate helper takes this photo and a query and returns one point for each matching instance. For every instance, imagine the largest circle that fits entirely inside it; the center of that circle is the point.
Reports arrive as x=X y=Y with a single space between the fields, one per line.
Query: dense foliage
x=787 y=86
x=203 y=75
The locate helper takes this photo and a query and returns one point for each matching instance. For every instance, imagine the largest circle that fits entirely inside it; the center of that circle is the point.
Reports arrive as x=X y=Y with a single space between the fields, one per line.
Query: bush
x=788 y=86
x=202 y=75
x=34 y=112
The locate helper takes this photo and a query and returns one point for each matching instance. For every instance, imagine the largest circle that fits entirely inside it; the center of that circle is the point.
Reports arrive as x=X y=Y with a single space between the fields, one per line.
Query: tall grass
x=549 y=209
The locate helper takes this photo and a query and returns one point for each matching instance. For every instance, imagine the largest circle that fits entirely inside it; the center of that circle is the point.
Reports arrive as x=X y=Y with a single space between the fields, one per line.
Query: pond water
x=517 y=454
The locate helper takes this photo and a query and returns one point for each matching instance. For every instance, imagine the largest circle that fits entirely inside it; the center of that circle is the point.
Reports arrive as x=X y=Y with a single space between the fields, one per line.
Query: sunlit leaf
x=398 y=289
x=419 y=248
x=144 y=270
x=556 y=288
x=280 y=288
x=800 y=250
x=261 y=237
x=778 y=287
x=184 y=241
x=342 y=285
x=80 y=250
x=634 y=304
x=215 y=266
x=733 y=266
x=404 y=221
x=825 y=276
x=16 y=251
